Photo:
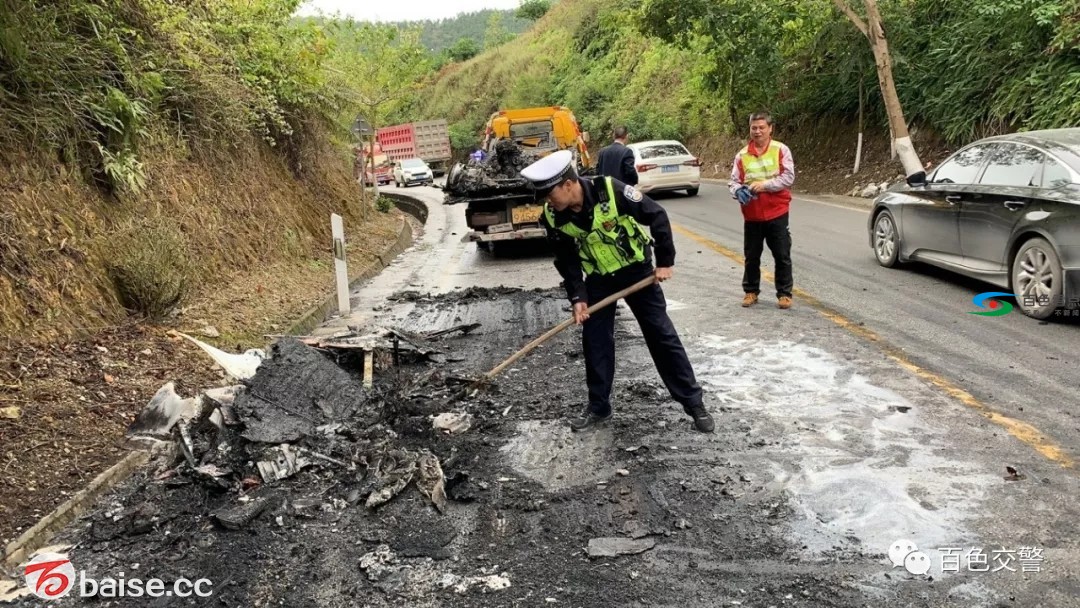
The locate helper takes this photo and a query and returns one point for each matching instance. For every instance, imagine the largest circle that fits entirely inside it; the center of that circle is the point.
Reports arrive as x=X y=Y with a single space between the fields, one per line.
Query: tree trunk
x=912 y=165
x=858 y=147
x=374 y=178
x=875 y=33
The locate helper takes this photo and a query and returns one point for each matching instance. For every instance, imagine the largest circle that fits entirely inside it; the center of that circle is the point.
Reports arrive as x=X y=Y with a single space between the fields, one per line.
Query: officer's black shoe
x=587 y=419
x=702 y=420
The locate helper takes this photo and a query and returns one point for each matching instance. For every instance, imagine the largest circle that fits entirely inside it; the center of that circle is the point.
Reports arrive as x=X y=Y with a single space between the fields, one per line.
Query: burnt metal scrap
x=297 y=390
x=498 y=175
x=302 y=411
x=405 y=347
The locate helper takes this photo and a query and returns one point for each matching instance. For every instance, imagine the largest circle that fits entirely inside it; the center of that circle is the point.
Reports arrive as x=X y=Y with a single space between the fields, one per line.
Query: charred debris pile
x=310 y=404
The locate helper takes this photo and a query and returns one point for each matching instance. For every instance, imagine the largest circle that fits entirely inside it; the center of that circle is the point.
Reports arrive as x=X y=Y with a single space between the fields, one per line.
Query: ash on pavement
x=787 y=504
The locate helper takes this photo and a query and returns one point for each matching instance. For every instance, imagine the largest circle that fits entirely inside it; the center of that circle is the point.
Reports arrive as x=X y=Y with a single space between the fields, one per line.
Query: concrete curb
x=38 y=536
x=318 y=314
x=42 y=532
x=409 y=205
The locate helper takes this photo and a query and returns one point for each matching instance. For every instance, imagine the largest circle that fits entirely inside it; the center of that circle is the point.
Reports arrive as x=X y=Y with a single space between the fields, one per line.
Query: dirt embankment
x=75 y=366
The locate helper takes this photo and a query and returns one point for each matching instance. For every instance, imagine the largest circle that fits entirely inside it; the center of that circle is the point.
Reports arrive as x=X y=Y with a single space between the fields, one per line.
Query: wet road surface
x=882 y=412
x=859 y=428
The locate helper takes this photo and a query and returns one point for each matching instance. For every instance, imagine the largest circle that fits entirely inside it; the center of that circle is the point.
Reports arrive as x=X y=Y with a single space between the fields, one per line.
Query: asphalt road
x=1016 y=365
x=876 y=410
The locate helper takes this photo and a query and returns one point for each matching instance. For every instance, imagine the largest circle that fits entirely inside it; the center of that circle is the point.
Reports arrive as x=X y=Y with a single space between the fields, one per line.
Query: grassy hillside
x=152 y=152
x=171 y=161
x=580 y=55
x=694 y=70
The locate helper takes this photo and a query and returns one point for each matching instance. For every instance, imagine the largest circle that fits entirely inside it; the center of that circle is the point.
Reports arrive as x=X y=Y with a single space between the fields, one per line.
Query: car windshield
x=413 y=164
x=661 y=150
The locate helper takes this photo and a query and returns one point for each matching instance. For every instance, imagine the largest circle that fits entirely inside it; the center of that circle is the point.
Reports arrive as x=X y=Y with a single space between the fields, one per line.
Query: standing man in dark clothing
x=601 y=248
x=617 y=160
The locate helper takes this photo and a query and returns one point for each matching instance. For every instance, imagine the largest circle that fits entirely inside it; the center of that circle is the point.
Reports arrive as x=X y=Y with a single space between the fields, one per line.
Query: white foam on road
x=857 y=467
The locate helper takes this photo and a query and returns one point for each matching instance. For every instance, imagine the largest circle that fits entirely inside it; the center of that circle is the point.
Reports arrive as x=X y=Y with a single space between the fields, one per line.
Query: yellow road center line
x=1023 y=431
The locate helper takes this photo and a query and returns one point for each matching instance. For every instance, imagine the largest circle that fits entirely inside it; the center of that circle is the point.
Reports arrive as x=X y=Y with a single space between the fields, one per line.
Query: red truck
x=427 y=140
x=362 y=163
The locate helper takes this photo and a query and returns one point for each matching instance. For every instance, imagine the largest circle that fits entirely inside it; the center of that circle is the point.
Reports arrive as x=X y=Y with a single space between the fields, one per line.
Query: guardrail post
x=341 y=272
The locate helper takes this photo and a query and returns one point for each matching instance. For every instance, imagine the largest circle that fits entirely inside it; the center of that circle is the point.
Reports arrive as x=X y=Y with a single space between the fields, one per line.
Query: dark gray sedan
x=1004 y=209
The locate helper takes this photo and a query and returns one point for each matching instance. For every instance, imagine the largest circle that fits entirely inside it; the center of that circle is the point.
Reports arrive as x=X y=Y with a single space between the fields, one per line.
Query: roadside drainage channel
x=43 y=532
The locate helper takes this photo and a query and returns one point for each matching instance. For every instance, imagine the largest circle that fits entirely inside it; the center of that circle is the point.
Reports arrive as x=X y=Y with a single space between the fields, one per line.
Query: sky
x=402 y=10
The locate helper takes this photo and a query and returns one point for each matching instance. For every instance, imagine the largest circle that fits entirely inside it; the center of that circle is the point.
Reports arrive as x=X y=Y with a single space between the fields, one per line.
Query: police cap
x=550 y=171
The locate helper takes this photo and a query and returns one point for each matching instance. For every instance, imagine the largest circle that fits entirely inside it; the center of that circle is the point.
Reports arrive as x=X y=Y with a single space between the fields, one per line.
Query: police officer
x=596 y=226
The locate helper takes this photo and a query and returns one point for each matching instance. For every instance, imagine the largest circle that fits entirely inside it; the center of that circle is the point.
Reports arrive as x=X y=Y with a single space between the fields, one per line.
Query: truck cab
x=501 y=205
x=539 y=132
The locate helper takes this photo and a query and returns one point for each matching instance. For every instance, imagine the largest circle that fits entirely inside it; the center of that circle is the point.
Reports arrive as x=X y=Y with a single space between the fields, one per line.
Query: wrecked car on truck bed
x=500 y=204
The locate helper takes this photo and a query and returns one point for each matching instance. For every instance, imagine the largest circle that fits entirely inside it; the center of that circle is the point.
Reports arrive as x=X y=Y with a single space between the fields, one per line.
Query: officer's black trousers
x=650 y=309
x=776 y=234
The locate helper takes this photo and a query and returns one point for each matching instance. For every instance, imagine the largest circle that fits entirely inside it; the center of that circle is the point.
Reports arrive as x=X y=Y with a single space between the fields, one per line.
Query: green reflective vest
x=760 y=168
x=615 y=241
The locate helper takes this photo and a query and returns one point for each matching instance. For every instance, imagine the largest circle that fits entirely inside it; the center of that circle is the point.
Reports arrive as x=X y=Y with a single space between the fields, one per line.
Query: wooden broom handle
x=642 y=284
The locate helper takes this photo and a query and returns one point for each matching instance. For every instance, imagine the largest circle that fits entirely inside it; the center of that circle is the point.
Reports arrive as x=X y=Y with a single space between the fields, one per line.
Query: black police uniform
x=648 y=304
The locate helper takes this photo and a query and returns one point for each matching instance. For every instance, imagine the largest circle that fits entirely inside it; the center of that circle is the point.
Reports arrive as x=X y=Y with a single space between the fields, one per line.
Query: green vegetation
x=464 y=49
x=99 y=81
x=378 y=69
x=438 y=35
x=533 y=9
x=384 y=204
x=217 y=125
x=150 y=268
x=684 y=68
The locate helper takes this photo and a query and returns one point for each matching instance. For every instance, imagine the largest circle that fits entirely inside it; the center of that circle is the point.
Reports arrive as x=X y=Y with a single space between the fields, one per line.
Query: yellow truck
x=500 y=204
x=540 y=130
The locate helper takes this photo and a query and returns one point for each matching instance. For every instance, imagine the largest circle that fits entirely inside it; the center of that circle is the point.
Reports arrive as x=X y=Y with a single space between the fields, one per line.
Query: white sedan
x=412 y=171
x=666 y=165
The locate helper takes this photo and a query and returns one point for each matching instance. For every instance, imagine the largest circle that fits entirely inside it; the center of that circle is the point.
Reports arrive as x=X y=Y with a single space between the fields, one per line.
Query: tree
x=874 y=32
x=741 y=38
x=464 y=49
x=383 y=69
x=533 y=9
x=496 y=34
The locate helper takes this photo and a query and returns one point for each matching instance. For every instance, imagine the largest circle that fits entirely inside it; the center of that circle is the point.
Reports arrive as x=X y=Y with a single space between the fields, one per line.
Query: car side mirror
x=917 y=179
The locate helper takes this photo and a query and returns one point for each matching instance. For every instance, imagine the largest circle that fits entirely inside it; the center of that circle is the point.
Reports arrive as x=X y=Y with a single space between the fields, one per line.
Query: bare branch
x=853 y=16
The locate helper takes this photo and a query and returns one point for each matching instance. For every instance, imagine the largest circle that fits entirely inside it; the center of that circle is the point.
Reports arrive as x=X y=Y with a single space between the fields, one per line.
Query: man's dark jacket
x=617 y=161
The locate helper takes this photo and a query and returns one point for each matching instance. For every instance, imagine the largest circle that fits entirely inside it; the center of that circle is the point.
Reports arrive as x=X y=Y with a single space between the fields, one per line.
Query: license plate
x=529 y=214
x=671 y=169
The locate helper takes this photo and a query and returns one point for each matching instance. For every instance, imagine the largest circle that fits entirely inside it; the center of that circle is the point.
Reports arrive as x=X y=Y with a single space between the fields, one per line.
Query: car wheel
x=1037 y=279
x=886 y=240
x=692 y=191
